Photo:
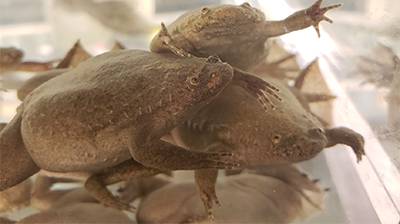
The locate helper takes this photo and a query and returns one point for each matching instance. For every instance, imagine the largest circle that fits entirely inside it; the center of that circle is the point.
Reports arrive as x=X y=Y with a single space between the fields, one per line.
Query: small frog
x=235 y=122
x=274 y=194
x=107 y=116
x=236 y=34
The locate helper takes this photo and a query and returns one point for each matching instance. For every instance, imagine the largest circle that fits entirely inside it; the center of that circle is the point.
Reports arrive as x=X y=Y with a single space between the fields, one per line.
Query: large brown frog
x=236 y=34
x=235 y=122
x=112 y=108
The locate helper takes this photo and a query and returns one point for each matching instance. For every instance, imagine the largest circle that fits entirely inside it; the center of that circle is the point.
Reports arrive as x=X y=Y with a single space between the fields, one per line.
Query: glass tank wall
x=357 y=71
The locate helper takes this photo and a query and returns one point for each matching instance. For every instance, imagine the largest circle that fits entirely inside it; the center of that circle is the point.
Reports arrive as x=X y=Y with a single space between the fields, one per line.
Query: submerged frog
x=274 y=194
x=11 y=60
x=110 y=109
x=236 y=34
x=235 y=122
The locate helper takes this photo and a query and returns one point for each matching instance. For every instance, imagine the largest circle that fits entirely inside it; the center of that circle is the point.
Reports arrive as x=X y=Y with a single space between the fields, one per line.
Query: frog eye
x=205 y=10
x=194 y=80
x=213 y=59
x=276 y=139
x=246 y=5
x=213 y=75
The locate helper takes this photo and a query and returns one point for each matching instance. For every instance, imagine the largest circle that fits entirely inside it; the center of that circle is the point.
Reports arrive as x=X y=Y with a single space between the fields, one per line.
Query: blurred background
x=359 y=49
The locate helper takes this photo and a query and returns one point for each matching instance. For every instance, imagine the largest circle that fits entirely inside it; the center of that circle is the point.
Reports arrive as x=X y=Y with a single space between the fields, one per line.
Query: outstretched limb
x=165 y=156
x=342 y=135
x=96 y=184
x=205 y=181
x=302 y=19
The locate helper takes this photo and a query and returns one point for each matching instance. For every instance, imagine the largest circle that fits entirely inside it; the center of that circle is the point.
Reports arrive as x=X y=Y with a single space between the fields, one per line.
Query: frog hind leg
x=16 y=164
x=146 y=148
x=96 y=184
x=343 y=135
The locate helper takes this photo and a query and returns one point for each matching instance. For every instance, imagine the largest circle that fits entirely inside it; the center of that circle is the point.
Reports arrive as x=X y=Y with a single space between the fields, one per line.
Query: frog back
x=80 y=120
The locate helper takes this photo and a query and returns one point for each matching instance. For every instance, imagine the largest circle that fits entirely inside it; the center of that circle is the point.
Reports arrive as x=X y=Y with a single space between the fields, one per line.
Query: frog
x=235 y=33
x=107 y=115
x=271 y=194
x=11 y=59
x=235 y=122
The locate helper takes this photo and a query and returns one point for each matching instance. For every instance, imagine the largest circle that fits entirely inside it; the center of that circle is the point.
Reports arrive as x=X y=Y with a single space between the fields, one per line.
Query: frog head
x=300 y=145
x=207 y=81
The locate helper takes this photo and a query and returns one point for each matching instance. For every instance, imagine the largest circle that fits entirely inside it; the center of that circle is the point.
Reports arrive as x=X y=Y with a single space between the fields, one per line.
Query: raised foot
x=317 y=14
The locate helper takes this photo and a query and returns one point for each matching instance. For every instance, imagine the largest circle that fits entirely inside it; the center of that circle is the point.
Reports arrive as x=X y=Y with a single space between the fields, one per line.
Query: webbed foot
x=317 y=14
x=342 y=135
x=257 y=87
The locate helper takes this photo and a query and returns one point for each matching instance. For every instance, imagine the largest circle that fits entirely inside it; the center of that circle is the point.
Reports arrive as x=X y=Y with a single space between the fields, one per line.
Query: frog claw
x=327 y=19
x=317 y=30
x=316 y=14
x=168 y=42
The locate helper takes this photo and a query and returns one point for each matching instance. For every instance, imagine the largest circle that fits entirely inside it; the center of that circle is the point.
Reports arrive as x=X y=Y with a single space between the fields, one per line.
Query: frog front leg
x=302 y=19
x=96 y=184
x=342 y=135
x=165 y=156
x=205 y=181
x=169 y=43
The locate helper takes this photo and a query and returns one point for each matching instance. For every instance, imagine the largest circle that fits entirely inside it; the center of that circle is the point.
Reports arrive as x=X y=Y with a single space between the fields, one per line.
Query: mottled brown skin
x=109 y=109
x=236 y=34
x=270 y=195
